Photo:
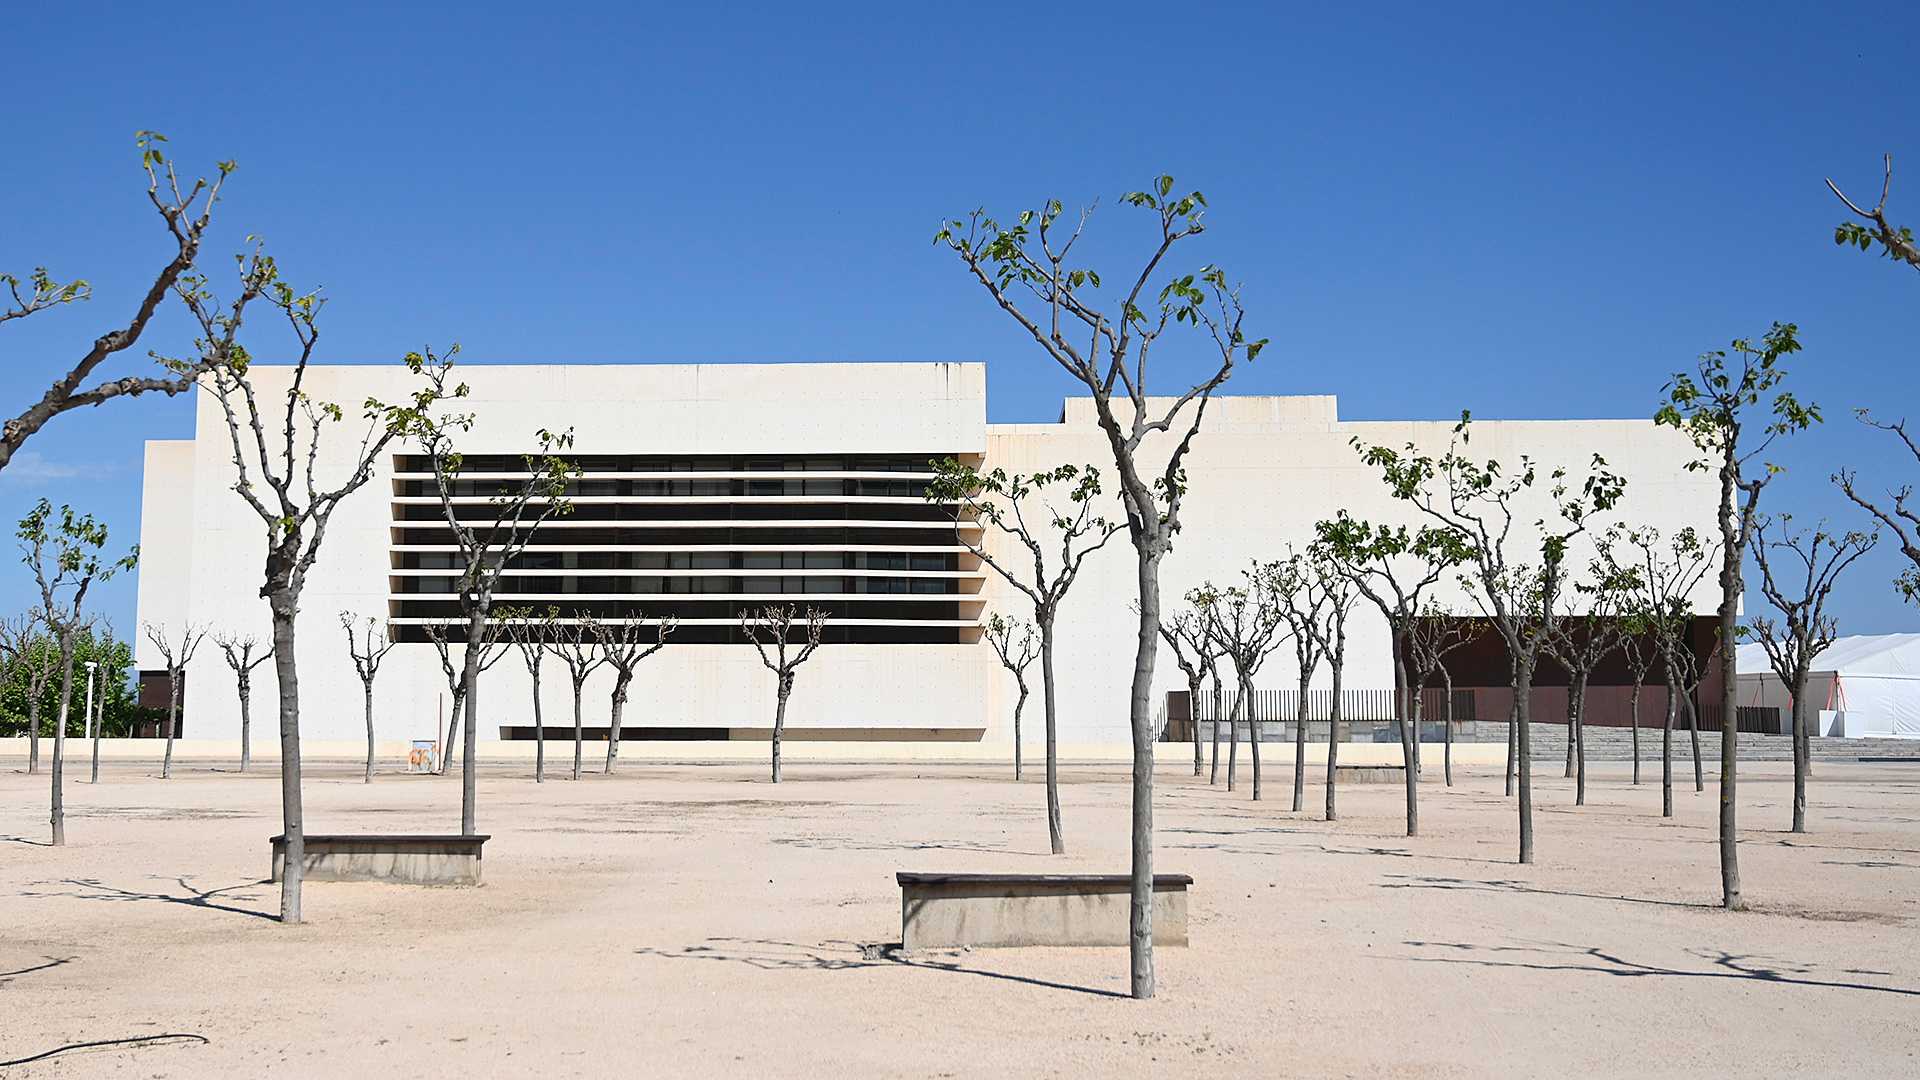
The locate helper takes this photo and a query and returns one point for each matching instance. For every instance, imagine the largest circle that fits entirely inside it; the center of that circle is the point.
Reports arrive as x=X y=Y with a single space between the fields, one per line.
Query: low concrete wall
x=413 y=860
x=1002 y=910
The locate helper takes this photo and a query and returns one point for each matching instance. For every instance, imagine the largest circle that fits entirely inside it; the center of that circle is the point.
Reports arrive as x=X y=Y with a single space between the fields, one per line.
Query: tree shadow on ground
x=51 y=962
x=1599 y=961
x=208 y=899
x=768 y=955
x=1507 y=885
x=846 y=843
x=24 y=840
x=1402 y=854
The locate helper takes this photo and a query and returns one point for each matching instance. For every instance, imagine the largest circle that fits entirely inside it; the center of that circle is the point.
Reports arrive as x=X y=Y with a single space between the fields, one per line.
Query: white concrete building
x=707 y=487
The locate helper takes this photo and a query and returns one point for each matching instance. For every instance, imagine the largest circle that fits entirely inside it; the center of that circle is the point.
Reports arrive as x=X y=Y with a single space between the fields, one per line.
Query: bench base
x=942 y=911
x=410 y=859
x=1370 y=774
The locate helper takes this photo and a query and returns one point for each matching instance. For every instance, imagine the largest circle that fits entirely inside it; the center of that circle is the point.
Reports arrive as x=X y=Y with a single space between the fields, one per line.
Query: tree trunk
x=1413 y=776
x=620 y=681
x=284 y=606
x=1020 y=705
x=1253 y=731
x=1233 y=737
x=539 y=733
x=367 y=691
x=246 y=721
x=1213 y=730
x=1523 y=753
x=173 y=720
x=780 y=719
x=1801 y=751
x=33 y=730
x=1666 y=752
x=1633 y=711
x=1193 y=716
x=447 y=754
x=58 y=815
x=579 y=689
x=1577 y=735
x=1572 y=714
x=1056 y=835
x=1337 y=662
x=1513 y=737
x=469 y=773
x=1693 y=730
x=1300 y=747
x=1140 y=719
x=1732 y=548
x=1449 y=732
x=1401 y=709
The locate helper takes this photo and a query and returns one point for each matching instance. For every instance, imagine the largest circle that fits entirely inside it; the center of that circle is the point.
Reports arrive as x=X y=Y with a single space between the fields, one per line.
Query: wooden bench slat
x=906 y=878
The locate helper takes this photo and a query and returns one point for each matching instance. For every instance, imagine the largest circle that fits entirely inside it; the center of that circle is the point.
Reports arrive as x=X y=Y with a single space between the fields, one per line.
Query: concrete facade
x=1263 y=470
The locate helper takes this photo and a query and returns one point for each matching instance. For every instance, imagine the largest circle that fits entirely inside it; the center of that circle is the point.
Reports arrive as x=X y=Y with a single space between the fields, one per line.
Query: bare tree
x=63 y=550
x=773 y=627
x=367 y=645
x=1809 y=564
x=1639 y=651
x=578 y=647
x=238 y=651
x=1006 y=502
x=1580 y=643
x=531 y=634
x=1713 y=405
x=186 y=215
x=462 y=669
x=297 y=504
x=1201 y=600
x=177 y=653
x=1301 y=596
x=1432 y=635
x=1017 y=643
x=1894 y=514
x=117 y=656
x=1476 y=501
x=37 y=666
x=1186 y=635
x=623 y=644
x=1105 y=350
x=1667 y=571
x=520 y=503
x=1895 y=241
x=1330 y=636
x=1394 y=567
x=1248 y=620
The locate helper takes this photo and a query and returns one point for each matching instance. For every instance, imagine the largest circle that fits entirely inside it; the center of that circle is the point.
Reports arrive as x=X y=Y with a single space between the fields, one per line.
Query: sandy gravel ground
x=692 y=920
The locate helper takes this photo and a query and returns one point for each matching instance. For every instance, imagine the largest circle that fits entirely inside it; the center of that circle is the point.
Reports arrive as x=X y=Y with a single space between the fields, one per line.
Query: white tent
x=1867 y=686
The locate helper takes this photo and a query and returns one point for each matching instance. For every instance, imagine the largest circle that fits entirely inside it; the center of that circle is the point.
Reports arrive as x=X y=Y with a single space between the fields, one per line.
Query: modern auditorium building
x=707 y=489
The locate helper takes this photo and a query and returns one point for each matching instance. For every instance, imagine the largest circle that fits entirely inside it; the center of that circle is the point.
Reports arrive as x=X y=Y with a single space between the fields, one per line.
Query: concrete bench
x=414 y=859
x=1371 y=774
x=992 y=910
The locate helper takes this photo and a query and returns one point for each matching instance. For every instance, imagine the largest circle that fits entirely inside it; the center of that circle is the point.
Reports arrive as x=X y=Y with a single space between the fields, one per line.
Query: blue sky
x=1526 y=212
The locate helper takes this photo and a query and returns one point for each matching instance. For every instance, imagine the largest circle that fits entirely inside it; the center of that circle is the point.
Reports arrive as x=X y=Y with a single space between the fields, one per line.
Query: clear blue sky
x=1522 y=212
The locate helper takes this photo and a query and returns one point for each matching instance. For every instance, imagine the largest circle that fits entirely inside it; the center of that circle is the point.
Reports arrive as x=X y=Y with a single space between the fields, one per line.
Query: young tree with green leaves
x=1017 y=643
x=1715 y=406
x=1052 y=515
x=1431 y=636
x=520 y=502
x=1798 y=571
x=1248 y=623
x=34 y=661
x=115 y=658
x=176 y=653
x=65 y=553
x=1330 y=639
x=186 y=215
x=773 y=627
x=462 y=662
x=1027 y=270
x=297 y=503
x=1394 y=567
x=577 y=644
x=1478 y=502
x=237 y=649
x=1201 y=600
x=1666 y=572
x=367 y=645
x=624 y=644
x=1872 y=227
x=1194 y=652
